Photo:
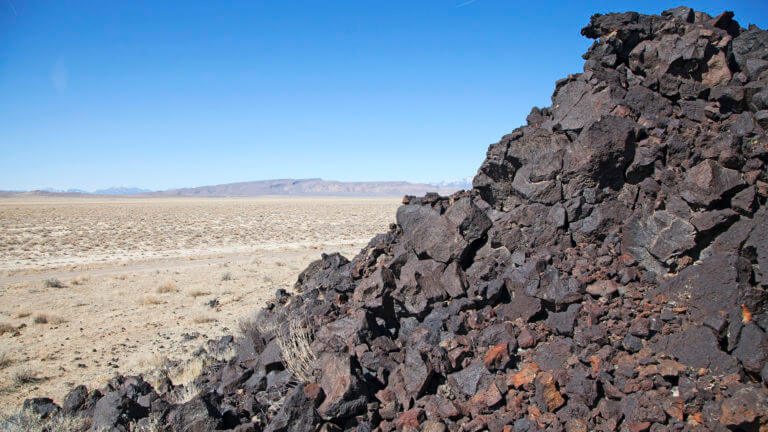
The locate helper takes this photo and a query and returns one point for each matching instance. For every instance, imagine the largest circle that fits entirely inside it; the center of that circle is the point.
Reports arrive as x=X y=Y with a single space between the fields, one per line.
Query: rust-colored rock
x=743 y=407
x=547 y=395
x=525 y=375
x=485 y=399
x=497 y=356
x=410 y=418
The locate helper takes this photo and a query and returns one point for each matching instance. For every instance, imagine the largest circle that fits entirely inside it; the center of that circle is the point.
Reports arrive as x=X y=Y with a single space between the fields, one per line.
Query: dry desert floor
x=93 y=287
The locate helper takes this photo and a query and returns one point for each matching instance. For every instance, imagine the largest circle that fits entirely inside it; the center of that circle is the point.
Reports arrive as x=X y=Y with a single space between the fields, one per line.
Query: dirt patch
x=93 y=287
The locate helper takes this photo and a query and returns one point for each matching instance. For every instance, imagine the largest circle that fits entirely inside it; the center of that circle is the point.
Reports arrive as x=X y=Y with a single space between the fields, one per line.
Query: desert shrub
x=53 y=283
x=224 y=355
x=153 y=425
x=203 y=319
x=167 y=287
x=185 y=393
x=28 y=421
x=186 y=372
x=6 y=328
x=24 y=375
x=150 y=300
x=195 y=293
x=246 y=324
x=79 y=280
x=5 y=359
x=294 y=340
x=226 y=277
x=44 y=318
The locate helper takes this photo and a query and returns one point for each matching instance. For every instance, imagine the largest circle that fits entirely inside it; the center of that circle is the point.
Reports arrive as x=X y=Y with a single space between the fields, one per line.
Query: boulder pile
x=608 y=271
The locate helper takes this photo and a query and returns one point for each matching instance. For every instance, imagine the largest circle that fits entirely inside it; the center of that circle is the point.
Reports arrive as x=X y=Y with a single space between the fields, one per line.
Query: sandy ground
x=150 y=279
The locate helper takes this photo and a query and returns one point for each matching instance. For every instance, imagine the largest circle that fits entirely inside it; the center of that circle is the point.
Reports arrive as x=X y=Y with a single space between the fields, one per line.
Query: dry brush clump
x=47 y=318
x=185 y=393
x=167 y=288
x=150 y=300
x=295 y=339
x=195 y=293
x=24 y=375
x=247 y=324
x=185 y=373
x=203 y=319
x=29 y=421
x=53 y=283
x=6 y=328
x=80 y=280
x=5 y=359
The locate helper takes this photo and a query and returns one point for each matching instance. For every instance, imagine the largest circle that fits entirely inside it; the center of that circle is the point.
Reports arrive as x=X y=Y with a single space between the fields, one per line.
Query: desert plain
x=93 y=287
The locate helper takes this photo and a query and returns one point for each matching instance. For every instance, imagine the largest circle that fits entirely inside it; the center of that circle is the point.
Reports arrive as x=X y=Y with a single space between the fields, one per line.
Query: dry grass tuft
x=44 y=318
x=203 y=319
x=294 y=341
x=186 y=373
x=5 y=359
x=149 y=300
x=80 y=280
x=226 y=277
x=195 y=293
x=6 y=328
x=247 y=324
x=53 y=283
x=28 y=421
x=185 y=394
x=24 y=375
x=167 y=287
x=151 y=361
x=225 y=355
x=153 y=425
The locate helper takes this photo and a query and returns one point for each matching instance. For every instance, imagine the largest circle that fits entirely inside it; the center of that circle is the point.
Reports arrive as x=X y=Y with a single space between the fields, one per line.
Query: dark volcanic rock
x=43 y=407
x=697 y=347
x=345 y=393
x=329 y=272
x=199 y=414
x=75 y=399
x=296 y=414
x=708 y=182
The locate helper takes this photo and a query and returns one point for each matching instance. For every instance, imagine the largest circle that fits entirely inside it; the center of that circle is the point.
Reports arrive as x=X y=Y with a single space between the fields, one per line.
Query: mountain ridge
x=271 y=187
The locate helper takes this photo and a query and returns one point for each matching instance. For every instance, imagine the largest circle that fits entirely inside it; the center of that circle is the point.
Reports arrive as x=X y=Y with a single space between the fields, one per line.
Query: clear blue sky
x=170 y=94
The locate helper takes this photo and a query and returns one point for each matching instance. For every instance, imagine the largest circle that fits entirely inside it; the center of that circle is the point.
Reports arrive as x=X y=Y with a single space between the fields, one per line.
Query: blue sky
x=172 y=94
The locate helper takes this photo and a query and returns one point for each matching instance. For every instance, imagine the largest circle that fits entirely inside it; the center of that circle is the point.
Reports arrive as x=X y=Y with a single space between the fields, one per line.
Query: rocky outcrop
x=606 y=272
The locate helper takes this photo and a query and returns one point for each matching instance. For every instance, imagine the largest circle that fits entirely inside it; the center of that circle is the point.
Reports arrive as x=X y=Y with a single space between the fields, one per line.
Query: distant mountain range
x=308 y=187
x=115 y=190
x=279 y=187
x=460 y=184
x=121 y=190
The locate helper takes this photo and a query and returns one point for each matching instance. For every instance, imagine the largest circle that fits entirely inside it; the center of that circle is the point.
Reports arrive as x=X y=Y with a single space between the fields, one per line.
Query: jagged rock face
x=607 y=272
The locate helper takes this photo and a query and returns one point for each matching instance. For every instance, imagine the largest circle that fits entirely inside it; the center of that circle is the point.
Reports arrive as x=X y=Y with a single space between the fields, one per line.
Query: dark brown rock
x=547 y=395
x=344 y=392
x=752 y=349
x=468 y=380
x=708 y=182
x=743 y=407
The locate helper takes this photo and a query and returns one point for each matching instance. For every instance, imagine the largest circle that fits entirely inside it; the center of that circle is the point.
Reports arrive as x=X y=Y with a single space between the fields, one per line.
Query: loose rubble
x=608 y=271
